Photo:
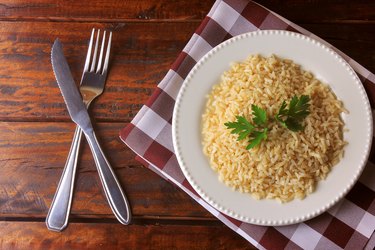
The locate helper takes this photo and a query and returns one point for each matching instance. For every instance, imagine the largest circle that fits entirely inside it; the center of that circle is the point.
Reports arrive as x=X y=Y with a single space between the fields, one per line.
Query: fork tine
x=95 y=52
x=87 y=62
x=107 y=54
x=98 y=68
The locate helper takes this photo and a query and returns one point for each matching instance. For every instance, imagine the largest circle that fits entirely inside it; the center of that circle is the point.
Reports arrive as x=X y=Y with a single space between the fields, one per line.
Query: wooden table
x=36 y=132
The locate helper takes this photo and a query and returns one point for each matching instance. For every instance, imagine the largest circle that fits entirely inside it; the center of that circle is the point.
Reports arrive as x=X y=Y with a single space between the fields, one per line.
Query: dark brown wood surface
x=36 y=132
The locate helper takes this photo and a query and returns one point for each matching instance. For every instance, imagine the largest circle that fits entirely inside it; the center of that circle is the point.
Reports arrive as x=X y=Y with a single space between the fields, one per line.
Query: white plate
x=327 y=66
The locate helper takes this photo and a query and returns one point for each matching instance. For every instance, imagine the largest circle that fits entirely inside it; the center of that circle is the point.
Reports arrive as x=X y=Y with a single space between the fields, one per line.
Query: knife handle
x=112 y=189
x=57 y=218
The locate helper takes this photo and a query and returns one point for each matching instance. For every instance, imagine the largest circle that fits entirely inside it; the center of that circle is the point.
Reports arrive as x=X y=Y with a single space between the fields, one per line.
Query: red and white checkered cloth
x=349 y=224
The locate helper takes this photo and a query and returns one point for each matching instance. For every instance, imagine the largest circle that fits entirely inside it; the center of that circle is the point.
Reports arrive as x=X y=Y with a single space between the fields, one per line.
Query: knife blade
x=78 y=113
x=76 y=108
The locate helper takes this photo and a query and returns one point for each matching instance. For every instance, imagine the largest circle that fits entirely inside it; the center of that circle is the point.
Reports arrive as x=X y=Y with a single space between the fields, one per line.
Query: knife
x=78 y=113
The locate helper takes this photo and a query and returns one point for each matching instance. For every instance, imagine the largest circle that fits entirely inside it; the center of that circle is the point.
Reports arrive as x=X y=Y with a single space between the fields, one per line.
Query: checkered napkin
x=349 y=224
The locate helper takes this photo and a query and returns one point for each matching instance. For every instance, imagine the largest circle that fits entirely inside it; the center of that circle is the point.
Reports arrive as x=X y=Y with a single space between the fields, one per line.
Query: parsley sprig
x=256 y=132
x=292 y=117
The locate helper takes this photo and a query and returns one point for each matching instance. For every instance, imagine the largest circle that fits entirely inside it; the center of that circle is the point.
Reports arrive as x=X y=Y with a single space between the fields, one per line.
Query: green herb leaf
x=258 y=137
x=293 y=124
x=283 y=110
x=242 y=127
x=245 y=129
x=298 y=108
x=292 y=117
x=260 y=115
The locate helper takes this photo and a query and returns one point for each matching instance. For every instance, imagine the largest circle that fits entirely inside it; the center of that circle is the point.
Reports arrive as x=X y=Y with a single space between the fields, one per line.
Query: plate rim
x=228 y=212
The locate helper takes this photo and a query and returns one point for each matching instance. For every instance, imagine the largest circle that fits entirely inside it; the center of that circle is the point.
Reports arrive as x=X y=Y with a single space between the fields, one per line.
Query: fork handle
x=57 y=218
x=112 y=189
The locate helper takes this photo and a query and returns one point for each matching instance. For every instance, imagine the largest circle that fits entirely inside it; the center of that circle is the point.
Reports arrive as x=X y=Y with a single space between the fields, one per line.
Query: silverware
x=57 y=218
x=92 y=85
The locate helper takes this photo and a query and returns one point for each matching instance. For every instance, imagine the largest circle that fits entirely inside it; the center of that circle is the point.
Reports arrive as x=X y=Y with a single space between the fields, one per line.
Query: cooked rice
x=288 y=164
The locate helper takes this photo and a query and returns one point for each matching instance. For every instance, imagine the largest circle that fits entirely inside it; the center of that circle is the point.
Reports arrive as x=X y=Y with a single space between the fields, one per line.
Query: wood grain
x=100 y=10
x=301 y=11
x=34 y=235
x=141 y=56
x=322 y=11
x=32 y=157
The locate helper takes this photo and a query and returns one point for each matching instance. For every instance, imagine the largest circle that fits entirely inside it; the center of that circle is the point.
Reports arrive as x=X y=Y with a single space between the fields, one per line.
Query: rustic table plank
x=142 y=54
x=322 y=11
x=301 y=11
x=32 y=157
x=104 y=10
x=33 y=235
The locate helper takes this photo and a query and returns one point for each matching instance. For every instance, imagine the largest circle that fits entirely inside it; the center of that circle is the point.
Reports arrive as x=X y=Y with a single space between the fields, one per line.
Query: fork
x=92 y=85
